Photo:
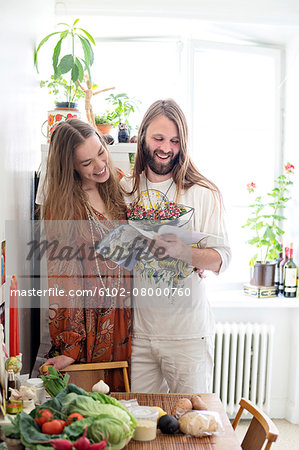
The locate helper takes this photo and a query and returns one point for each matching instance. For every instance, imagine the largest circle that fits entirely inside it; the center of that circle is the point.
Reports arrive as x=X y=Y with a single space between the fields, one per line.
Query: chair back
x=87 y=374
x=260 y=430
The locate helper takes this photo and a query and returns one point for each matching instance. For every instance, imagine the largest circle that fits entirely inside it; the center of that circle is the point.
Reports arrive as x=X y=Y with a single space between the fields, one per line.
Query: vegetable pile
x=74 y=419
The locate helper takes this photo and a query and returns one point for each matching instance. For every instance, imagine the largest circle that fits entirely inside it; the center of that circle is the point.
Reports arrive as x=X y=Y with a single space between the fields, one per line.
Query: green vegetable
x=117 y=431
x=106 y=411
x=54 y=381
x=168 y=424
x=12 y=430
x=89 y=407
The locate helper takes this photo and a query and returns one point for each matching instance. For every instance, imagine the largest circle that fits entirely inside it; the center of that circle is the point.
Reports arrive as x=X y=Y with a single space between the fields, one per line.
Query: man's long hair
x=185 y=174
x=62 y=189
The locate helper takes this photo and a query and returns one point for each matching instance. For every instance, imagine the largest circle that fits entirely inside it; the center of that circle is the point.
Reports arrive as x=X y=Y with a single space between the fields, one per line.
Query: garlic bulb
x=101 y=387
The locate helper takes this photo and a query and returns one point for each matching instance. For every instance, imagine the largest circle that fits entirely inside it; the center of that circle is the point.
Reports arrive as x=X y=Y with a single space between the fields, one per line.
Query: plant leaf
x=76 y=21
x=86 y=50
x=56 y=54
x=39 y=46
x=80 y=69
x=66 y=64
x=88 y=35
x=74 y=73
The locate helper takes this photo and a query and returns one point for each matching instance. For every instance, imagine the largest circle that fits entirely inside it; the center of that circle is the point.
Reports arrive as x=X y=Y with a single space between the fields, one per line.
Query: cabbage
x=91 y=408
x=105 y=426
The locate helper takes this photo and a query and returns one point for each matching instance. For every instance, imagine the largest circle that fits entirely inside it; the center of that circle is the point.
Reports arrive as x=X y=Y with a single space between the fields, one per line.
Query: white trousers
x=180 y=365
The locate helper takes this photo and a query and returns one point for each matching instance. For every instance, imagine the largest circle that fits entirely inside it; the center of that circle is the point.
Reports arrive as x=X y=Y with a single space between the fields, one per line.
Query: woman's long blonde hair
x=185 y=174
x=62 y=189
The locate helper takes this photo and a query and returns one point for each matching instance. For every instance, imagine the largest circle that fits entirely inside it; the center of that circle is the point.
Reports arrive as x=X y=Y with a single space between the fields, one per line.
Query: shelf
x=236 y=299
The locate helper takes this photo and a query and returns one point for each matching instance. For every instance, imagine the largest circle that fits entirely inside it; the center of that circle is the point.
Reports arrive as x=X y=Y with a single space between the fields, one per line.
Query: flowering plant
x=170 y=211
x=266 y=216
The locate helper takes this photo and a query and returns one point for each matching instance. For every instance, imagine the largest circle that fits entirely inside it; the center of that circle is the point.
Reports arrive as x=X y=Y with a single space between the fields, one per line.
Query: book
x=131 y=242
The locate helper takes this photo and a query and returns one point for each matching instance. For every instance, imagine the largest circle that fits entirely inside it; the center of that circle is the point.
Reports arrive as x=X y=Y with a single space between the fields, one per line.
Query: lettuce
x=106 y=426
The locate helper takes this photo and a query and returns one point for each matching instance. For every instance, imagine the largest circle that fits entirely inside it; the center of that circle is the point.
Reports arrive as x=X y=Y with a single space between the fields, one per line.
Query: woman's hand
x=58 y=362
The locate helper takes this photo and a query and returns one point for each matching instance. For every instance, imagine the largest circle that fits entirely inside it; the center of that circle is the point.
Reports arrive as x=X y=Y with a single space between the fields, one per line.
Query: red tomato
x=74 y=417
x=42 y=416
x=63 y=422
x=53 y=427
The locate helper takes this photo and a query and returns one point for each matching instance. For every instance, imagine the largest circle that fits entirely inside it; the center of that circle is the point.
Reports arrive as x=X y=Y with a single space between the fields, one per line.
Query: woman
x=90 y=319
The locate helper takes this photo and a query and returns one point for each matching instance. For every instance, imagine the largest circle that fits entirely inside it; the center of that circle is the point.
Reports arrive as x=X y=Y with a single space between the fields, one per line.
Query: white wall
x=21 y=116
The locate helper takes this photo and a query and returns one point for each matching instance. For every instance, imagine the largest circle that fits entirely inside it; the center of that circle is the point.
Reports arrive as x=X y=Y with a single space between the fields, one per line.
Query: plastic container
x=147 y=418
x=38 y=385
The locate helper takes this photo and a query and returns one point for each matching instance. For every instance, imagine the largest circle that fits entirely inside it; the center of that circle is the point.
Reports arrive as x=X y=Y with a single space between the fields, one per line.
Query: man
x=173 y=325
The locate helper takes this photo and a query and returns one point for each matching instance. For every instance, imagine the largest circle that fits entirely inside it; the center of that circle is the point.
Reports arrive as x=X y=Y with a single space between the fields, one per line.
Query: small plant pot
x=262 y=274
x=68 y=105
x=104 y=128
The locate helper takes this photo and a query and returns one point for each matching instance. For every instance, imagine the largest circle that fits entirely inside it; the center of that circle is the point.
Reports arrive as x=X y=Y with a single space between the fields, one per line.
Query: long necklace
x=148 y=196
x=92 y=221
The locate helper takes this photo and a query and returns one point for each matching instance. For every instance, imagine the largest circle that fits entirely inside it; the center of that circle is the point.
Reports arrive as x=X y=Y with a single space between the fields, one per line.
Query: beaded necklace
x=102 y=230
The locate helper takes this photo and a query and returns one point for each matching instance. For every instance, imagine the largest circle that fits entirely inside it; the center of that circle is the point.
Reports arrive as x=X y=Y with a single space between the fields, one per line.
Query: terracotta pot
x=104 y=128
x=262 y=274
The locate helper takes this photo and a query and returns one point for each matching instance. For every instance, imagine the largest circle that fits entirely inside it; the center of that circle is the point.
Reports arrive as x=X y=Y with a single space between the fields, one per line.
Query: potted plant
x=104 y=122
x=59 y=88
x=72 y=63
x=264 y=221
x=123 y=106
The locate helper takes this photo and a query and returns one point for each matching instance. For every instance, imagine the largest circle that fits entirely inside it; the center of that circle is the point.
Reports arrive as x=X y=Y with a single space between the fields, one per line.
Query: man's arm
x=201 y=258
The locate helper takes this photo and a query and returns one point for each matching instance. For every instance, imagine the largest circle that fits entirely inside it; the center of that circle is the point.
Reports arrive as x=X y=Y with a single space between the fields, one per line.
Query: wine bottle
x=278 y=261
x=281 y=271
x=290 y=276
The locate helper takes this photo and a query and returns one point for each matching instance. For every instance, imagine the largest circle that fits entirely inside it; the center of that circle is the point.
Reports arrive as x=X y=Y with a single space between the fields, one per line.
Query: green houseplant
x=122 y=106
x=74 y=62
x=266 y=217
x=59 y=88
x=104 y=121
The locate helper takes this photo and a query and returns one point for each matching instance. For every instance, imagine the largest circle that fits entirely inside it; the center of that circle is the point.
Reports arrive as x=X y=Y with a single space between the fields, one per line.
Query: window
x=233 y=108
x=236 y=131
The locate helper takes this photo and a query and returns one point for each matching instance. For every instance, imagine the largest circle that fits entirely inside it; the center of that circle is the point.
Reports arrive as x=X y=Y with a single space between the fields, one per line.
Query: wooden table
x=226 y=440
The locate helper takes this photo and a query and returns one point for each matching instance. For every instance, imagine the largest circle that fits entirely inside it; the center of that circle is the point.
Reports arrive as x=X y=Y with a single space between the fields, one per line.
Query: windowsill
x=236 y=299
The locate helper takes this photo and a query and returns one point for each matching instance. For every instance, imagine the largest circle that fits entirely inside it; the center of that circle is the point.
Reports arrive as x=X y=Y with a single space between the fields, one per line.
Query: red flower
x=289 y=168
x=69 y=116
x=75 y=116
x=251 y=187
x=58 y=117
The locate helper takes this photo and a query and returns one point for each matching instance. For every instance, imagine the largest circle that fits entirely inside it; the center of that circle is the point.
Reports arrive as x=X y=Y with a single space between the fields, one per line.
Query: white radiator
x=242 y=364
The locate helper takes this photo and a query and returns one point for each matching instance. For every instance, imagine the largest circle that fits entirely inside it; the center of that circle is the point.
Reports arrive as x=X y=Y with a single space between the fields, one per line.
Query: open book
x=129 y=243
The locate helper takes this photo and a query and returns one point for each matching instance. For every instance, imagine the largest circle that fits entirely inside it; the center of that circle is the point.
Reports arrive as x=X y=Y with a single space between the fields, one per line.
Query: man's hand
x=58 y=362
x=169 y=245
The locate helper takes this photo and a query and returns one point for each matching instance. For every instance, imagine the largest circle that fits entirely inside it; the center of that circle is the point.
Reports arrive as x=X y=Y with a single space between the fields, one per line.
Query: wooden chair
x=261 y=427
x=86 y=375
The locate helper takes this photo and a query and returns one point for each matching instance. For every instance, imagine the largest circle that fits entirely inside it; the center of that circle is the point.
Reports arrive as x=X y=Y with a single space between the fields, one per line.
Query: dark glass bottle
x=290 y=276
x=278 y=261
x=281 y=271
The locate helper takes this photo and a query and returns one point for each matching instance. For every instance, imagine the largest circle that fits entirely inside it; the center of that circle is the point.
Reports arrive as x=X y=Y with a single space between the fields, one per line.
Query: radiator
x=242 y=364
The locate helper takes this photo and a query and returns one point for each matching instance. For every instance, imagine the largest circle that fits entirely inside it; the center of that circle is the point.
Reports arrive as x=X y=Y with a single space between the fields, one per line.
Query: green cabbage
x=88 y=408
x=106 y=426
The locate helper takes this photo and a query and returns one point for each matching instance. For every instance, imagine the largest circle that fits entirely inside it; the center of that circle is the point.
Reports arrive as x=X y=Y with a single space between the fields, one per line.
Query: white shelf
x=236 y=299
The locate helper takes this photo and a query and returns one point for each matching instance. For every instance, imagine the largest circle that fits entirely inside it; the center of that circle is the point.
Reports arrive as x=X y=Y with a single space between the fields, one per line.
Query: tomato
x=63 y=422
x=74 y=417
x=53 y=427
x=42 y=416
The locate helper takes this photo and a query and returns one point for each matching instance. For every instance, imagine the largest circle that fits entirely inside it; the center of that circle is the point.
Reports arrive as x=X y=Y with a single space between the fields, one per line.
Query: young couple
x=173 y=327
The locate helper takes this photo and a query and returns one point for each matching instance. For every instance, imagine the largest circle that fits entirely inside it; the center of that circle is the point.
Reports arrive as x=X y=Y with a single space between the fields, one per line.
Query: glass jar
x=14 y=406
x=38 y=385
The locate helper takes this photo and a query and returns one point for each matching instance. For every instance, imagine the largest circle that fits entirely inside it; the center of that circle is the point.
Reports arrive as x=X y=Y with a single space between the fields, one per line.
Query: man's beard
x=156 y=166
